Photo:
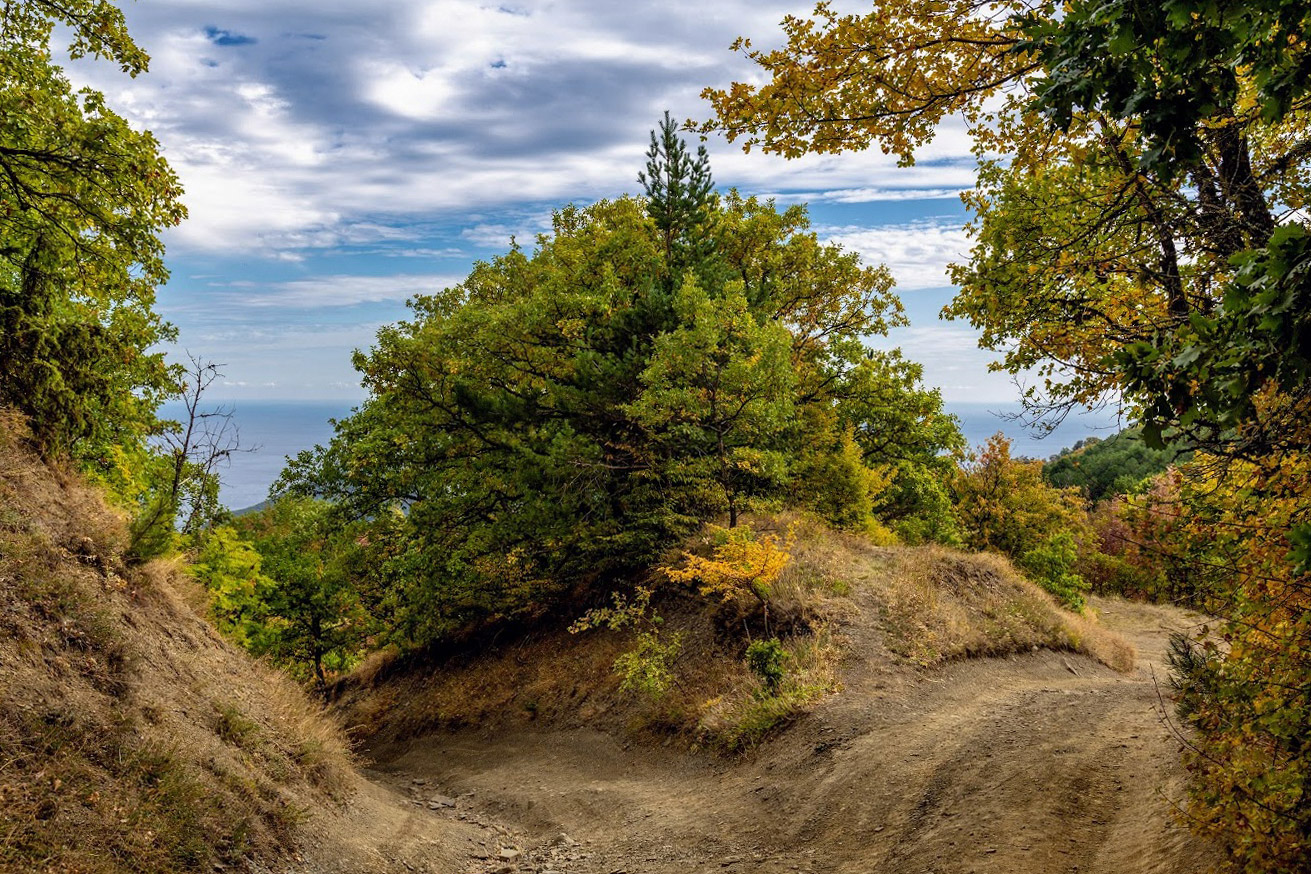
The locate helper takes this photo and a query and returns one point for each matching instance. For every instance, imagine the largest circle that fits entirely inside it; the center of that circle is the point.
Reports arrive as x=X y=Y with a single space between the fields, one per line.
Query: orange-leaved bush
x=742 y=567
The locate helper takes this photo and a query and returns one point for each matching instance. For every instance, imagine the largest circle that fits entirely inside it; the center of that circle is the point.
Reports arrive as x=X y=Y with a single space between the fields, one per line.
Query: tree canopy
x=1140 y=237
x=563 y=415
x=1128 y=153
x=83 y=200
x=1104 y=468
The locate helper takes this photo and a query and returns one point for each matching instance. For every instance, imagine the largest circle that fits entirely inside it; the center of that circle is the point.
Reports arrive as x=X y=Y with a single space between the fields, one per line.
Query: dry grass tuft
x=940 y=604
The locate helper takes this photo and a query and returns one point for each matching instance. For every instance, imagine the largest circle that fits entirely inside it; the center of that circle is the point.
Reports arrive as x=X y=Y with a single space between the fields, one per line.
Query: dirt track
x=1039 y=763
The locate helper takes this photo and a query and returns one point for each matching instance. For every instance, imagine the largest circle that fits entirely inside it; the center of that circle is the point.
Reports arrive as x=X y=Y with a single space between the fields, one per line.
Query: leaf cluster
x=741 y=566
x=1166 y=65
x=1243 y=686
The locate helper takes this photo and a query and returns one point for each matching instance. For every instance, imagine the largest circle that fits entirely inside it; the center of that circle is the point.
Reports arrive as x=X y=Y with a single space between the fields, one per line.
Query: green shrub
x=646 y=667
x=765 y=658
x=759 y=718
x=1050 y=564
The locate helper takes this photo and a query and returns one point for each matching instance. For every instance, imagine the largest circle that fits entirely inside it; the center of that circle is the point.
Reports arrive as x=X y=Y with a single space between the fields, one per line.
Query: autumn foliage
x=1243 y=683
x=1004 y=504
x=743 y=565
x=540 y=434
x=1140 y=235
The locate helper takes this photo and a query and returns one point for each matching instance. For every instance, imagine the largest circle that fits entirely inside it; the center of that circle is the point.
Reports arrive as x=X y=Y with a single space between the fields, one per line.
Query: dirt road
x=1039 y=763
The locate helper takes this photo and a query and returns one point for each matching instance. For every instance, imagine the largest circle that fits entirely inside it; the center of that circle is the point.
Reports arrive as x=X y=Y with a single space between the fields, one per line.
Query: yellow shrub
x=742 y=566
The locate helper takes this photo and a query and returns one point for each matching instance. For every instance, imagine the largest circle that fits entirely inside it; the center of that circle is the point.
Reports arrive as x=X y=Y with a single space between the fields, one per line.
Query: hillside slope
x=133 y=738
x=956 y=721
x=906 y=609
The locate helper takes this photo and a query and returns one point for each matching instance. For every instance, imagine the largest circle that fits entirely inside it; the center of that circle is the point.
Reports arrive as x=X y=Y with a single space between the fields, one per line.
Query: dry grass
x=931 y=604
x=923 y=607
x=748 y=713
x=940 y=604
x=131 y=737
x=842 y=596
x=552 y=676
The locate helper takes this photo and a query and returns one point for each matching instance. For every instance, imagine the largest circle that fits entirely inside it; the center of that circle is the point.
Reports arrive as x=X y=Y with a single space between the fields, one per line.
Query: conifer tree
x=680 y=198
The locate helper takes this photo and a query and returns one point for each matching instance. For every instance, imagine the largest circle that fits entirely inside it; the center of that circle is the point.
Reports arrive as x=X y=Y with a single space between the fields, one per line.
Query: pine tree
x=680 y=198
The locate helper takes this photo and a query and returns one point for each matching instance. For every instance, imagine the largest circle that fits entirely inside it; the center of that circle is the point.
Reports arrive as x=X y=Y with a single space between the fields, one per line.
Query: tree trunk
x=316 y=631
x=726 y=480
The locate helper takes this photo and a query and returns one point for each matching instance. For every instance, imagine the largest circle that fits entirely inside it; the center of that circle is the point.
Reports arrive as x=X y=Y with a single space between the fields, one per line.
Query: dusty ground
x=1037 y=763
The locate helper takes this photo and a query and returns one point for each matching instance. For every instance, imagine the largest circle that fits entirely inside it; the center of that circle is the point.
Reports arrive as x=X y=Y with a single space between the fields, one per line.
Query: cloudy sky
x=339 y=157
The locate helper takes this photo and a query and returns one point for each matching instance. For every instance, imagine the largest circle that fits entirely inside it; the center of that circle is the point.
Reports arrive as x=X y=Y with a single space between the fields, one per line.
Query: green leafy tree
x=1104 y=468
x=83 y=200
x=230 y=569
x=562 y=416
x=309 y=613
x=904 y=434
x=1005 y=505
x=831 y=477
x=1130 y=158
x=1052 y=565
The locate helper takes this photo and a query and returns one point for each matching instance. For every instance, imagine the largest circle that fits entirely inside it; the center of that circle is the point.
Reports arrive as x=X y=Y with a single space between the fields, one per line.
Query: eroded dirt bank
x=1044 y=762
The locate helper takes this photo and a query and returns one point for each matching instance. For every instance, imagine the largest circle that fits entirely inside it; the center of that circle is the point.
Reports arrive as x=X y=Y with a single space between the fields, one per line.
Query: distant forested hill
x=1102 y=468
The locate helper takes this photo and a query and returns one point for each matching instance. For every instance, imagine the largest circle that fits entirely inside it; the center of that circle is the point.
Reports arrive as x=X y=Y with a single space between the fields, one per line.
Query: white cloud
x=431 y=130
x=415 y=94
x=869 y=195
x=338 y=290
x=498 y=235
x=917 y=253
x=952 y=361
x=315 y=118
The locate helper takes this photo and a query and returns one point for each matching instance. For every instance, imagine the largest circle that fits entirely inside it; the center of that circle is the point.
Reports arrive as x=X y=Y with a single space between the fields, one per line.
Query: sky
x=339 y=157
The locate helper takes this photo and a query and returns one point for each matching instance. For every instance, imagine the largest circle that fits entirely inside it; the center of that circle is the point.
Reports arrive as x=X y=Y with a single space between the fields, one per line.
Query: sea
x=273 y=430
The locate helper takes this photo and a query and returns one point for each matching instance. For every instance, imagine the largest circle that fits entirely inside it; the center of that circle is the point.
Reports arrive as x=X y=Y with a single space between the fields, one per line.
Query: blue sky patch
x=220 y=37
